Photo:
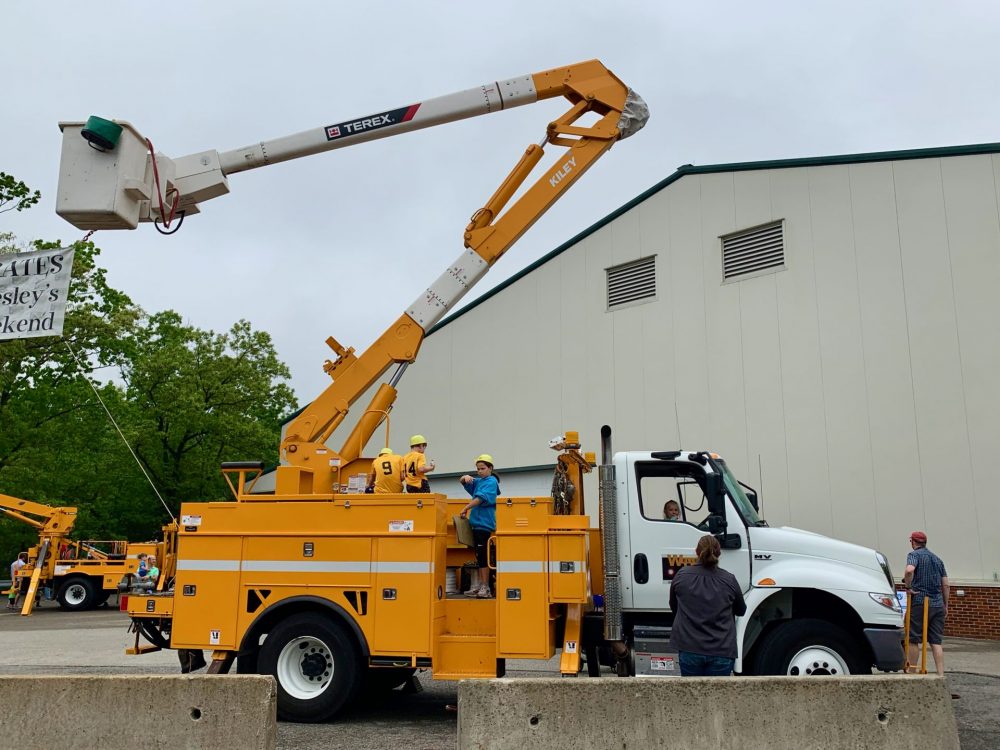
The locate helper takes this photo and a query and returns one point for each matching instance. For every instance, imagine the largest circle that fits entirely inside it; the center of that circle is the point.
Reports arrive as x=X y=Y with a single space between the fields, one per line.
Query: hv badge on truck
x=214 y=637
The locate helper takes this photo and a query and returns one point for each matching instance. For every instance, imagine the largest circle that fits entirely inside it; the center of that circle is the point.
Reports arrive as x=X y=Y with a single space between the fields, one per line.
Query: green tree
x=15 y=195
x=45 y=403
x=199 y=398
x=185 y=399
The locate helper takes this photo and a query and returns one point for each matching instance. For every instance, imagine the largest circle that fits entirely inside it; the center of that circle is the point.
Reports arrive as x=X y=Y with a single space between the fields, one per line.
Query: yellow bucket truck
x=329 y=590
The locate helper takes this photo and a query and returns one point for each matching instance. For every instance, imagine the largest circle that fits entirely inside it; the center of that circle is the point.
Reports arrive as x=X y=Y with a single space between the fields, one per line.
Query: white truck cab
x=815 y=605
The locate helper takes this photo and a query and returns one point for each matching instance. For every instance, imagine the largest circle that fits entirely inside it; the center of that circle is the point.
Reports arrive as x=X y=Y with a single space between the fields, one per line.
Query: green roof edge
x=745 y=166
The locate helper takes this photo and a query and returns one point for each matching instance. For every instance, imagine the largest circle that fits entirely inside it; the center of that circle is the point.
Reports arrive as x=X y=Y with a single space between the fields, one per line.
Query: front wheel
x=316 y=664
x=77 y=594
x=810 y=648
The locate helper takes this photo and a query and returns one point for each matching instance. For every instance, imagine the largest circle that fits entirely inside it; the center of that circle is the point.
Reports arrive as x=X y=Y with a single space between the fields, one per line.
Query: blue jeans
x=699 y=665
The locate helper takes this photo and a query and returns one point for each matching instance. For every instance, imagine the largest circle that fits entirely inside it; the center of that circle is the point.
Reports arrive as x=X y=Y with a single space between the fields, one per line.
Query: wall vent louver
x=752 y=251
x=632 y=282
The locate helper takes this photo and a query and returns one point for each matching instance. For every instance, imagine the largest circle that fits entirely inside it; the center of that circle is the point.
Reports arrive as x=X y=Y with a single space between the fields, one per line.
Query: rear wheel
x=77 y=594
x=317 y=666
x=810 y=648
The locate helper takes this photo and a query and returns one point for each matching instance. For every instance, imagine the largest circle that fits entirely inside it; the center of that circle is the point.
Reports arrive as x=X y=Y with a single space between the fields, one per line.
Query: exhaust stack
x=608 y=498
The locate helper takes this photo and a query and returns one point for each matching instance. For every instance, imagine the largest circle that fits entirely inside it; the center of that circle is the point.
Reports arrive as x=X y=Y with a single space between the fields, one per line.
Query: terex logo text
x=372 y=122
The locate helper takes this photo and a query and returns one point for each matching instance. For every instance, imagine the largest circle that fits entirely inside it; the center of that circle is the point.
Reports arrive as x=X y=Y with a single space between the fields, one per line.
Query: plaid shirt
x=927 y=576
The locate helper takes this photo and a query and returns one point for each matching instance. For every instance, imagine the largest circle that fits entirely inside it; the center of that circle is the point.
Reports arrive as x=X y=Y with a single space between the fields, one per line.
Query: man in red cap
x=927 y=579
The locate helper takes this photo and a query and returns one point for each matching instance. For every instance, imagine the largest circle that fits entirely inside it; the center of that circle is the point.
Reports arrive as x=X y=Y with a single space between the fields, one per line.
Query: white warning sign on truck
x=662 y=664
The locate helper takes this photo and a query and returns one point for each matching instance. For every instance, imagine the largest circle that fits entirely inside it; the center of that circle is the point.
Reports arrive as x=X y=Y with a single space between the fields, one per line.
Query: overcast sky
x=340 y=243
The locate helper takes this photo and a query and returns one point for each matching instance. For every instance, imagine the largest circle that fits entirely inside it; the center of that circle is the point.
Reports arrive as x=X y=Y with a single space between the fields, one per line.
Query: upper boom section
x=110 y=177
x=591 y=89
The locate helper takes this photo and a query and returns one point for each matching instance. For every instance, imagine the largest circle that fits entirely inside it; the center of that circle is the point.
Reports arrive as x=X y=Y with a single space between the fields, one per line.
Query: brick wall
x=974 y=615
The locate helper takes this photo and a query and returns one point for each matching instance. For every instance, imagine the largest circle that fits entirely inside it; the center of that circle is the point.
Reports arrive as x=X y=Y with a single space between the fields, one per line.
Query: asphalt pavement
x=56 y=642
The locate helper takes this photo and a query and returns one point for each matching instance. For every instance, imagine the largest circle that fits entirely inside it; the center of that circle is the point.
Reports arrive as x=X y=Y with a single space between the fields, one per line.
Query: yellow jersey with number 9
x=388 y=471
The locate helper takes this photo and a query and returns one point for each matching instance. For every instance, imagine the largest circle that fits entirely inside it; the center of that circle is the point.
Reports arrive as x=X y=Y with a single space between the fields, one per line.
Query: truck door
x=661 y=546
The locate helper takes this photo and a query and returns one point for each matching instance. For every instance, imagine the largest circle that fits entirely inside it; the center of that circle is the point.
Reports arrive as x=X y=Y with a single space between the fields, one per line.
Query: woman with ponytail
x=705 y=600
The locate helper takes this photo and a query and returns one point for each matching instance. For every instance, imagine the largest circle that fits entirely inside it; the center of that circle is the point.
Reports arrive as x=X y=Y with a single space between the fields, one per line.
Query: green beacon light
x=101 y=134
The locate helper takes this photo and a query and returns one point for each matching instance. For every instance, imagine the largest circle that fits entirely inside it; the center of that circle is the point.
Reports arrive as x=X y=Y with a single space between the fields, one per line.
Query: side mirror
x=716 y=494
x=716 y=525
x=730 y=541
x=751 y=494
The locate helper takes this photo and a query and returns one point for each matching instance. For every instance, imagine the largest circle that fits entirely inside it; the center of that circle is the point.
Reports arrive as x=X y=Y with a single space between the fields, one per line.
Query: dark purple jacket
x=705 y=602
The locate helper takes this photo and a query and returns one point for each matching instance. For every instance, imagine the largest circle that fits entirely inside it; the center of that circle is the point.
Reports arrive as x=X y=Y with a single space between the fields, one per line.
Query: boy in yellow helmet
x=481 y=511
x=417 y=466
x=387 y=473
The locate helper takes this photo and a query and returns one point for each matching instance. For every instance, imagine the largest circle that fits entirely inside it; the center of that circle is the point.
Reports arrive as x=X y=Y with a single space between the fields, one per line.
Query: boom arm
x=112 y=179
x=590 y=87
x=45 y=518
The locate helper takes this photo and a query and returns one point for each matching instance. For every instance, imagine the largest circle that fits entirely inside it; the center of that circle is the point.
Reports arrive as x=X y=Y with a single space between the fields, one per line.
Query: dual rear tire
x=316 y=664
x=79 y=593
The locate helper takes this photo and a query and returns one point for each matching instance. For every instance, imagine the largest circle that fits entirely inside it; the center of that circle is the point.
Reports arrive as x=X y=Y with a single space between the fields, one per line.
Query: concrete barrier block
x=735 y=713
x=139 y=711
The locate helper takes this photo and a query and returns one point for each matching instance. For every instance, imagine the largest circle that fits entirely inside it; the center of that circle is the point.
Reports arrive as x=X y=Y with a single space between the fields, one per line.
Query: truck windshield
x=736 y=493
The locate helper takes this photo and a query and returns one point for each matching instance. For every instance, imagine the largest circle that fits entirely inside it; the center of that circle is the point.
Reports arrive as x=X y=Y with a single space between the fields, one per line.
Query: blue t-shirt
x=927 y=576
x=484 y=515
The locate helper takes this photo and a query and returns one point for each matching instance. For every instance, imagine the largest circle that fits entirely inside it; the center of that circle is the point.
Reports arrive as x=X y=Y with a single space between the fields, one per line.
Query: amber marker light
x=766 y=582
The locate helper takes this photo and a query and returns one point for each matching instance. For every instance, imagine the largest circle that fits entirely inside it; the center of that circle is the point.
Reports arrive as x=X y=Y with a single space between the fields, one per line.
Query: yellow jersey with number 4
x=415 y=460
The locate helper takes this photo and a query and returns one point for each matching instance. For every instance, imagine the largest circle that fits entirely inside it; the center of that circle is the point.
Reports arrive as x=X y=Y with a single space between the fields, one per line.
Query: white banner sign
x=33 y=290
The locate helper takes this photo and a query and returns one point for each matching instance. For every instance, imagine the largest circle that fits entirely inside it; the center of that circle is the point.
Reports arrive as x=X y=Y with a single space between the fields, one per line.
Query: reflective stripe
x=229 y=565
x=307 y=566
x=554 y=565
x=402 y=567
x=520 y=566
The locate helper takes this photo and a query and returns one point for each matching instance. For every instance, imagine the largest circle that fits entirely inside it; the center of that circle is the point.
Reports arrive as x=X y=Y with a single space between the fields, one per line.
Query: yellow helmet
x=486 y=458
x=385 y=451
x=417 y=440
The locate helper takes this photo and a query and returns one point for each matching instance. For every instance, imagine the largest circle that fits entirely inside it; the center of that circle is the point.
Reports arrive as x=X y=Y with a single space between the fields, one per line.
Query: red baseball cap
x=919 y=537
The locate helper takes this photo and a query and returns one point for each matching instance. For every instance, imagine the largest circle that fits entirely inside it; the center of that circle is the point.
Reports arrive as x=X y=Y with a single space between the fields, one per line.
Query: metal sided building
x=831 y=326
